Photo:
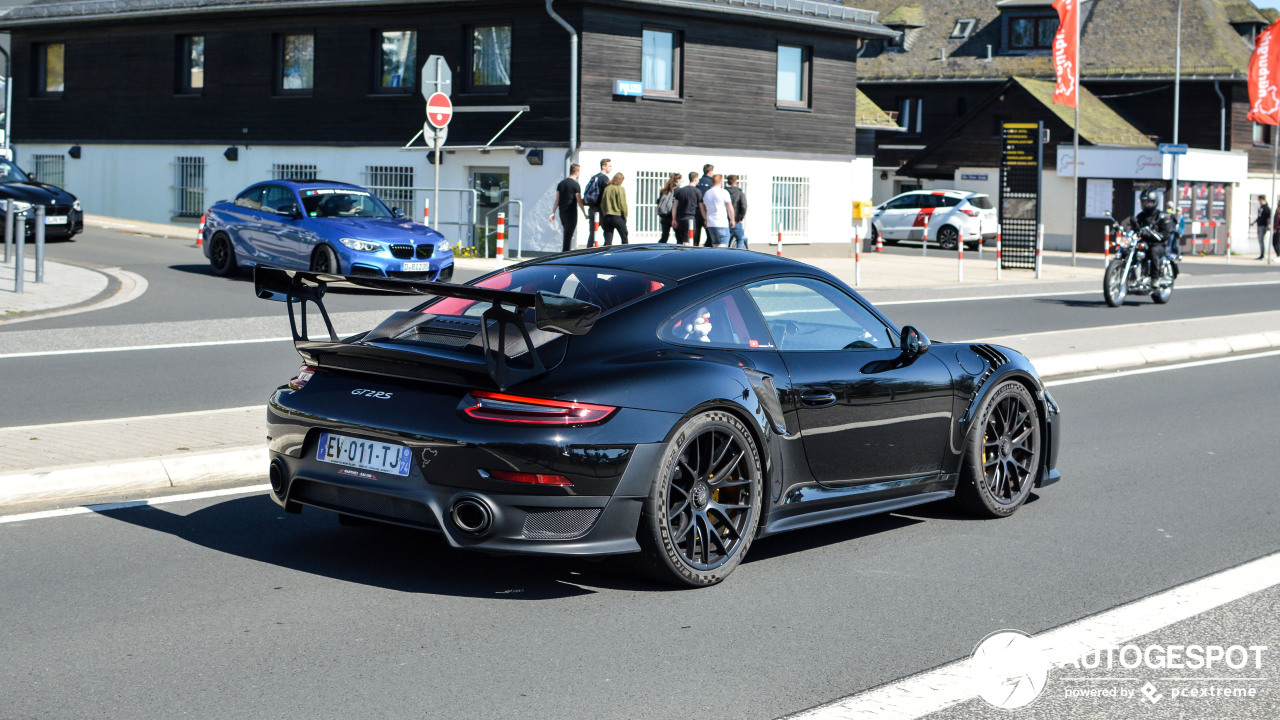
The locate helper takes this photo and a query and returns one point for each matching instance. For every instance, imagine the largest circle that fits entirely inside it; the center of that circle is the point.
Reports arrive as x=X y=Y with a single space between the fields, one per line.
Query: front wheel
x=1002 y=457
x=948 y=238
x=1114 y=286
x=701 y=514
x=325 y=260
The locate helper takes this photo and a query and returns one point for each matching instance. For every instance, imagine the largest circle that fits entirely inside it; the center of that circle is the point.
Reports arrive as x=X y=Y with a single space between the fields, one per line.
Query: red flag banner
x=1066 y=55
x=1264 y=77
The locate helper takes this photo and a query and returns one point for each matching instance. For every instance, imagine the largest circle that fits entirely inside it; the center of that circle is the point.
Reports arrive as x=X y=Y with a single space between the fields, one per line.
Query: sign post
x=437 y=86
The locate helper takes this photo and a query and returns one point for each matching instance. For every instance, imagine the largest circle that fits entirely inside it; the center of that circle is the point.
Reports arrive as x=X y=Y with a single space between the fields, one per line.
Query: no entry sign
x=439 y=110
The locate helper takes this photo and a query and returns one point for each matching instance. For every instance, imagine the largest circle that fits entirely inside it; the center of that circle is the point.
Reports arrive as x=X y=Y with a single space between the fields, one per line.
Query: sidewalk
x=64 y=285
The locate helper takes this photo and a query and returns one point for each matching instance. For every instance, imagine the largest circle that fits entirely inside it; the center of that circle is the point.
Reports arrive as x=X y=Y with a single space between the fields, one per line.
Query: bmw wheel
x=702 y=512
x=325 y=260
x=1002 y=459
x=222 y=256
x=948 y=237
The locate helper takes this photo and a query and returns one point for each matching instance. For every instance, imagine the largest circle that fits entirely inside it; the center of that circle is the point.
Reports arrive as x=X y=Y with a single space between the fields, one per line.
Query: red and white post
x=857 y=259
x=502 y=233
x=960 y=260
x=998 y=268
x=1228 y=246
x=1039 y=247
x=779 y=243
x=200 y=233
x=595 y=231
x=924 y=241
x=426 y=212
x=1106 y=247
x=879 y=243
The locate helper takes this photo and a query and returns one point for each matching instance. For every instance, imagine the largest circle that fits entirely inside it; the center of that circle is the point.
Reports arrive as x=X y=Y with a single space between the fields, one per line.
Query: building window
x=294 y=171
x=660 y=66
x=297 y=64
x=190 y=64
x=397 y=61
x=392 y=183
x=963 y=28
x=49 y=169
x=188 y=187
x=490 y=58
x=1032 y=32
x=793 y=76
x=790 y=207
x=911 y=114
x=1261 y=134
x=50 y=69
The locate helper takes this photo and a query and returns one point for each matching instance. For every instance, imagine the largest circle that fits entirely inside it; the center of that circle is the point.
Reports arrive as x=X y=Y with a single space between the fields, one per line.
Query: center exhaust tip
x=471 y=516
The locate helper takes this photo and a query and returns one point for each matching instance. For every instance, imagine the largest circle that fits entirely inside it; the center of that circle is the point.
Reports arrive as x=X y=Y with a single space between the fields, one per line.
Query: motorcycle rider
x=1159 y=221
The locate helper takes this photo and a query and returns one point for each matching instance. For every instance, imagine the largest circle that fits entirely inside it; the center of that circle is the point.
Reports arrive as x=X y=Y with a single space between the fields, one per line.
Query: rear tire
x=1114 y=287
x=325 y=260
x=222 y=256
x=704 y=506
x=1002 y=455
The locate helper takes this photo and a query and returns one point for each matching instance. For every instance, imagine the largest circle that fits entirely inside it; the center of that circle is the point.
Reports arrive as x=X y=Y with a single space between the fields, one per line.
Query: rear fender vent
x=559 y=524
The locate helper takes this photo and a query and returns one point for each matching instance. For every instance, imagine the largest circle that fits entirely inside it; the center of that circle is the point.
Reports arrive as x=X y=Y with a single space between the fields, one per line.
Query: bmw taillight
x=520 y=410
x=530 y=478
x=304 y=374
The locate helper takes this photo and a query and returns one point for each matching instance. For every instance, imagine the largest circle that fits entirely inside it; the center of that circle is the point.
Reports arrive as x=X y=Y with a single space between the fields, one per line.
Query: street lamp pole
x=1177 y=105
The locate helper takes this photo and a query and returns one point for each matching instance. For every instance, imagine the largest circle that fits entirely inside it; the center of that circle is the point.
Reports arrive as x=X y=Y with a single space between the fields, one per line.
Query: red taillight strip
x=530 y=478
x=304 y=374
x=502 y=407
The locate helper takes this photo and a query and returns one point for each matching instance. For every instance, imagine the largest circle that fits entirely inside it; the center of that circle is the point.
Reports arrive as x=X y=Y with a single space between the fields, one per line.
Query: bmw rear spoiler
x=552 y=313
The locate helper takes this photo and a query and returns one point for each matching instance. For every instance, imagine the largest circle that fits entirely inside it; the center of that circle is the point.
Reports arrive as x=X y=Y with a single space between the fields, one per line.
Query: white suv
x=949 y=216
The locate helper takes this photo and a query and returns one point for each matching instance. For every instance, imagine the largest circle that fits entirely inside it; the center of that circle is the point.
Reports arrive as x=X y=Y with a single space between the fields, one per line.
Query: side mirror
x=397 y=212
x=291 y=211
x=914 y=342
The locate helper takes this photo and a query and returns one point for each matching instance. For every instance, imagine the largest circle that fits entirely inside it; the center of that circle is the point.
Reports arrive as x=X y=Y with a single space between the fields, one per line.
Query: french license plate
x=55 y=219
x=417 y=267
x=363 y=454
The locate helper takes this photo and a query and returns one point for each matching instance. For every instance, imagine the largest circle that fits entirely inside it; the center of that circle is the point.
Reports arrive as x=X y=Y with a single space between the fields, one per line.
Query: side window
x=947 y=201
x=727 y=321
x=901 y=202
x=805 y=314
x=251 y=198
x=277 y=197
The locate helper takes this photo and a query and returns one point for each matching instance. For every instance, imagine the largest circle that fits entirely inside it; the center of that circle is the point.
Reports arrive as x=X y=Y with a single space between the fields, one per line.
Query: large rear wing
x=552 y=313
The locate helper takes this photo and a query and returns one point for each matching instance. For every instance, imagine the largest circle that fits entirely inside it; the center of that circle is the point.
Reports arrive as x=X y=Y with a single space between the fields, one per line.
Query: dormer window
x=963 y=28
x=1028 y=32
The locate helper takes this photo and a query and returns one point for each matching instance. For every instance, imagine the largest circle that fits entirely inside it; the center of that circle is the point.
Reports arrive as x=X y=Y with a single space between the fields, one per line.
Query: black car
x=669 y=402
x=63 y=218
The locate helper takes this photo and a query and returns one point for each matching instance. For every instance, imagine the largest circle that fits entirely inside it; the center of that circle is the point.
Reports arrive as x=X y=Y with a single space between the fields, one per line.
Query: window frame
x=911 y=113
x=677 y=62
x=1036 y=19
x=806 y=71
x=280 y=89
x=41 y=67
x=404 y=88
x=184 y=67
x=469 y=67
x=891 y=331
x=963 y=28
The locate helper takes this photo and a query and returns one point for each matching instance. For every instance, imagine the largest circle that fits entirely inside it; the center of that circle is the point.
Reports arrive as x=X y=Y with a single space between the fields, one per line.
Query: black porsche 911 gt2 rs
x=668 y=402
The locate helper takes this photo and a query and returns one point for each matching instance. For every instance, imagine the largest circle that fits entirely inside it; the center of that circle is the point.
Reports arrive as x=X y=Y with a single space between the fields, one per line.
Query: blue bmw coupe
x=322 y=226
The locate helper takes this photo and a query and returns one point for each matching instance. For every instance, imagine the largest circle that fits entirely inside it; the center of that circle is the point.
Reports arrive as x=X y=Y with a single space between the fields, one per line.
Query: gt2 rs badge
x=376 y=394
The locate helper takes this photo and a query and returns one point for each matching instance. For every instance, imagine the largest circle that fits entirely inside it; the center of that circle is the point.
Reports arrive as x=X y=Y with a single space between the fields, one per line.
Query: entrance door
x=493 y=188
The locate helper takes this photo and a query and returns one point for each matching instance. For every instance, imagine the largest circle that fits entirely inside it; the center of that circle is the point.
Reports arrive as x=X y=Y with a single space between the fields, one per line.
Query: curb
x=250 y=463
x=122 y=286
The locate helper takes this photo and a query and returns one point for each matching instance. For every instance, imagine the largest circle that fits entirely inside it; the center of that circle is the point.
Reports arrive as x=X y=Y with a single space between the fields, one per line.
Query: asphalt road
x=229 y=608
x=186 y=303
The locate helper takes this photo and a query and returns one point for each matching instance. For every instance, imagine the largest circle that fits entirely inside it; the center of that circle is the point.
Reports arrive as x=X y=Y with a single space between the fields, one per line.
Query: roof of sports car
x=678 y=262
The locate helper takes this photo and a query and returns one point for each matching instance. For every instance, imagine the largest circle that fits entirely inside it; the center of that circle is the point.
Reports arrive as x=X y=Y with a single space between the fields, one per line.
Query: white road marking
x=1162 y=368
x=132 y=348
x=136 y=418
x=105 y=507
x=942 y=687
x=1055 y=294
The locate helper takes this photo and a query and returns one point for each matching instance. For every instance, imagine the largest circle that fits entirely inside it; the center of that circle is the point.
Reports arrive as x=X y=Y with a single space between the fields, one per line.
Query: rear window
x=606 y=288
x=982 y=202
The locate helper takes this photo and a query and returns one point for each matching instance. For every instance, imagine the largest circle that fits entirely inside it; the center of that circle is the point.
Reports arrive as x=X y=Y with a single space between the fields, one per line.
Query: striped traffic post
x=594 y=231
x=924 y=241
x=502 y=233
x=1039 y=246
x=691 y=235
x=857 y=259
x=960 y=260
x=998 y=238
x=1228 y=246
x=779 y=243
x=426 y=211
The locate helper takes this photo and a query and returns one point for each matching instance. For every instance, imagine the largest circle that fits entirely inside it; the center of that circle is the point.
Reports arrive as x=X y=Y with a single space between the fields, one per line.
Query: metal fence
x=188 y=187
x=648 y=187
x=294 y=171
x=50 y=169
x=790 y=207
x=392 y=183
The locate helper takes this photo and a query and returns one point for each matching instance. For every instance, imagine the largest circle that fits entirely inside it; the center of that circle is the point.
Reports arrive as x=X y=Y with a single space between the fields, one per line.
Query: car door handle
x=818 y=399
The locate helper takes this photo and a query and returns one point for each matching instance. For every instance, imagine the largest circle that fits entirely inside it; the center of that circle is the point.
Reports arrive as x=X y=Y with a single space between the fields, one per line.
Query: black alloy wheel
x=702 y=512
x=1003 y=457
x=324 y=260
x=948 y=237
x=222 y=257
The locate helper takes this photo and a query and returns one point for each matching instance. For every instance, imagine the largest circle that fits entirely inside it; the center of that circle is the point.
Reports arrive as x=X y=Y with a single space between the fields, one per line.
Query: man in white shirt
x=717 y=212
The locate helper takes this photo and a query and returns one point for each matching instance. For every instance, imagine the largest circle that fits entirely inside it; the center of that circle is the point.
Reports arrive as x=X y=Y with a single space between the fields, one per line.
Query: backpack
x=594 y=189
x=667 y=203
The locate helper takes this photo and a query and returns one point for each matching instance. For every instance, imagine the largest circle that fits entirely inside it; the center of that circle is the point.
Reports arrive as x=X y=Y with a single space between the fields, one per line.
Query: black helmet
x=1149 y=200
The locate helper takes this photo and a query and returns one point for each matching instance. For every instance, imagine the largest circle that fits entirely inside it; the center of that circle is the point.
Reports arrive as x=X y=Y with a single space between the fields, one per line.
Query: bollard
x=998 y=268
x=502 y=232
x=426 y=211
x=1106 y=247
x=596 y=231
x=857 y=260
x=8 y=230
x=1228 y=247
x=20 y=244
x=199 y=233
x=779 y=243
x=924 y=241
x=691 y=235
x=982 y=240
x=40 y=216
x=960 y=260
x=1039 y=246
x=856 y=241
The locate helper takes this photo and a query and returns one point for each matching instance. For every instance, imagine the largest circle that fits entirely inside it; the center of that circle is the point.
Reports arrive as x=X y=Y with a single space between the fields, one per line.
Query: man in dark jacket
x=703 y=186
x=739 y=198
x=1263 y=221
x=1162 y=223
x=687 y=215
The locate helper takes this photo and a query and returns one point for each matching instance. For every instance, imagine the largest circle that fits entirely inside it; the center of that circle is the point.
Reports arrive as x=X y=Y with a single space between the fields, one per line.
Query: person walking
x=717 y=213
x=613 y=206
x=1263 y=221
x=667 y=206
x=569 y=203
x=1275 y=233
x=592 y=195
x=703 y=186
x=688 y=210
x=1179 y=226
x=737 y=231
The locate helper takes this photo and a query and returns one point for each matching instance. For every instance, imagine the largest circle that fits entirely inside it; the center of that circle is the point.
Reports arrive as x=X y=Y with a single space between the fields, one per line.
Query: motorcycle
x=1128 y=270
